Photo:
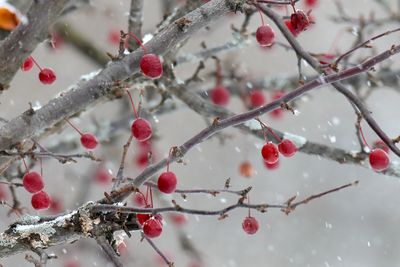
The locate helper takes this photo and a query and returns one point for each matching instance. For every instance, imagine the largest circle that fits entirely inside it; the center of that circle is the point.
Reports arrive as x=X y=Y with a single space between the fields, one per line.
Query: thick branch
x=24 y=39
x=135 y=22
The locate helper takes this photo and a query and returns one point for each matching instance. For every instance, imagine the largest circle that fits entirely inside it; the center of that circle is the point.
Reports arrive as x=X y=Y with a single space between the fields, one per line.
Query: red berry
x=167 y=182
x=250 y=225
x=142 y=217
x=310 y=3
x=220 y=95
x=300 y=21
x=141 y=129
x=289 y=25
x=287 y=148
x=382 y=145
x=139 y=200
x=151 y=66
x=178 y=218
x=47 y=76
x=265 y=35
x=270 y=153
x=27 y=64
x=89 y=141
x=379 y=160
x=257 y=98
x=152 y=228
x=272 y=166
x=103 y=176
x=32 y=182
x=40 y=200
x=277 y=113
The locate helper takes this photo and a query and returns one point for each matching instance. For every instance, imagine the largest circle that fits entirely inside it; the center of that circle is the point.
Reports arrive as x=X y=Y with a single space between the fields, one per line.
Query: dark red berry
x=270 y=153
x=287 y=148
x=220 y=95
x=265 y=35
x=89 y=141
x=40 y=200
x=32 y=182
x=152 y=228
x=151 y=66
x=379 y=160
x=289 y=25
x=142 y=217
x=141 y=129
x=167 y=182
x=47 y=76
x=27 y=64
x=300 y=21
x=272 y=166
x=382 y=145
x=257 y=98
x=250 y=225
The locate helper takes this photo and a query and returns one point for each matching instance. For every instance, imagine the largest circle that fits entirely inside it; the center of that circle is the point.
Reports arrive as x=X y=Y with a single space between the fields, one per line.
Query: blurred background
x=355 y=227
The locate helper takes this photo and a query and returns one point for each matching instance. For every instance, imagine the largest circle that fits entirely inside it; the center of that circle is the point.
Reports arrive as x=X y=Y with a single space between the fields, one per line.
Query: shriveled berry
x=141 y=129
x=246 y=169
x=257 y=98
x=151 y=66
x=287 y=148
x=32 y=182
x=379 y=160
x=89 y=141
x=40 y=200
x=220 y=95
x=47 y=76
x=300 y=21
x=152 y=228
x=265 y=35
x=27 y=64
x=270 y=153
x=167 y=182
x=382 y=145
x=250 y=225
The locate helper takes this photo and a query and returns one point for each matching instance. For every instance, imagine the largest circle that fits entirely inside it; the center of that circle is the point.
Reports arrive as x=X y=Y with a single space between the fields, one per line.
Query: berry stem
x=169 y=157
x=248 y=201
x=151 y=197
x=26 y=166
x=218 y=72
x=363 y=137
x=264 y=126
x=37 y=65
x=76 y=129
x=137 y=40
x=261 y=15
x=41 y=167
x=133 y=104
x=292 y=4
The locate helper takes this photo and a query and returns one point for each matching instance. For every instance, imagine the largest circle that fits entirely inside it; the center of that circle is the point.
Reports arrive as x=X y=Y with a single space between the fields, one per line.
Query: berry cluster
x=270 y=152
x=46 y=75
x=152 y=225
x=33 y=183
